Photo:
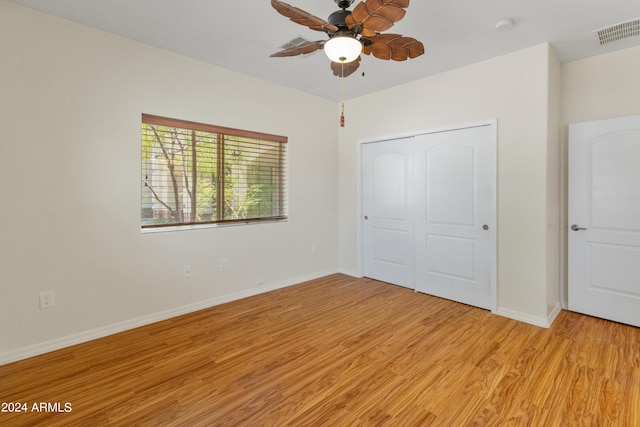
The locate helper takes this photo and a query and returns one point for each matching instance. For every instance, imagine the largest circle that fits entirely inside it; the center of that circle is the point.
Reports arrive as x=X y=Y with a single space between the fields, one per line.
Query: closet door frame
x=359 y=206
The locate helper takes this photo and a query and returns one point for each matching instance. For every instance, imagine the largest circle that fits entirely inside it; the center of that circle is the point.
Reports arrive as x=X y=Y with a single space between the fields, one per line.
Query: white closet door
x=455 y=208
x=604 y=219
x=388 y=211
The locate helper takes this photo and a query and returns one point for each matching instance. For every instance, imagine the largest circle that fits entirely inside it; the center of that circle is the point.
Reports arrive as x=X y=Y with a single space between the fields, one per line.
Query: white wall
x=601 y=87
x=515 y=89
x=70 y=104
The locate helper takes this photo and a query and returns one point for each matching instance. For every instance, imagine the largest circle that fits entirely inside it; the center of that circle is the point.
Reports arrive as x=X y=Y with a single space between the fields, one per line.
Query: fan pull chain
x=342 y=98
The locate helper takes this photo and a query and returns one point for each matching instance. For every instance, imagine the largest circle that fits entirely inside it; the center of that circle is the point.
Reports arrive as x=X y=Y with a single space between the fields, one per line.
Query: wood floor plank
x=339 y=351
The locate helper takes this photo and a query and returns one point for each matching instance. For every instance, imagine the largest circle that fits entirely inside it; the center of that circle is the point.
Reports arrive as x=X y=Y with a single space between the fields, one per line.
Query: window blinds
x=193 y=173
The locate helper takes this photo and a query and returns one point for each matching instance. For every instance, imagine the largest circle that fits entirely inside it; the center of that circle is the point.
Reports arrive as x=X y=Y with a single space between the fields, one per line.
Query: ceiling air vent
x=298 y=41
x=621 y=31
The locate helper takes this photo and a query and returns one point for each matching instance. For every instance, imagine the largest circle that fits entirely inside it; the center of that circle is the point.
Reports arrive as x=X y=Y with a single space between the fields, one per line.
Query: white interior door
x=604 y=219
x=455 y=214
x=388 y=211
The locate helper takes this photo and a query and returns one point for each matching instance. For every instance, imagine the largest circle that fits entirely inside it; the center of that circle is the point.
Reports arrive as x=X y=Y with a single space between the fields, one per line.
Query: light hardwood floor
x=339 y=351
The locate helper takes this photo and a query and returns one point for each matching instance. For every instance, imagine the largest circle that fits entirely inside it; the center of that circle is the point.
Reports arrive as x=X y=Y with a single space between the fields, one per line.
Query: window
x=194 y=173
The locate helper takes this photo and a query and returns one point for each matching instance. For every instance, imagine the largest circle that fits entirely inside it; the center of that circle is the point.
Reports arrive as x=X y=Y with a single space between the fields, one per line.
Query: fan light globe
x=342 y=49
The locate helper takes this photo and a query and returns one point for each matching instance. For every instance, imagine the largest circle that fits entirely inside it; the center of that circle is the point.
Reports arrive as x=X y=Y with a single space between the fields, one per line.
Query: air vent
x=621 y=31
x=298 y=41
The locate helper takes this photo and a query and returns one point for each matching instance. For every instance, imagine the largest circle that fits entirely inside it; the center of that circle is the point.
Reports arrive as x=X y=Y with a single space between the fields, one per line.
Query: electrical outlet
x=224 y=264
x=260 y=283
x=186 y=272
x=46 y=299
x=314 y=248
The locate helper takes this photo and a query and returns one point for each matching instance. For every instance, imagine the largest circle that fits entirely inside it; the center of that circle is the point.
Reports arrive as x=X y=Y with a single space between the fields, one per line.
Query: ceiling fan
x=351 y=33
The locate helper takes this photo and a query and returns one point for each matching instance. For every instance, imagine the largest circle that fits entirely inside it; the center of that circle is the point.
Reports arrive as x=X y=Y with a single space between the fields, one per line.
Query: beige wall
x=515 y=89
x=70 y=104
x=601 y=87
x=554 y=194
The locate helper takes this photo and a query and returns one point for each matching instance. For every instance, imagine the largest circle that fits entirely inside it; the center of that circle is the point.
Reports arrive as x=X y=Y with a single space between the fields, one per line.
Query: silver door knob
x=576 y=227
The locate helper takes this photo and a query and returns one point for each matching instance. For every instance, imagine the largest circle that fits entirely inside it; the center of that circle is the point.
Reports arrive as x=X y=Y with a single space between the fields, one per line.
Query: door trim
x=494 y=229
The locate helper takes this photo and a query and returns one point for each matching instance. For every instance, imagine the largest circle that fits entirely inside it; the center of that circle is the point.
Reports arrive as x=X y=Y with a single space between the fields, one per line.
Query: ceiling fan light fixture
x=343 y=48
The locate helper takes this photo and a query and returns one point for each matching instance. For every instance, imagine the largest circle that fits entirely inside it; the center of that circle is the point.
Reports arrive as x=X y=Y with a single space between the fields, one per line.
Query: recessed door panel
x=449 y=187
x=603 y=258
x=389 y=186
x=440 y=262
x=611 y=184
x=390 y=246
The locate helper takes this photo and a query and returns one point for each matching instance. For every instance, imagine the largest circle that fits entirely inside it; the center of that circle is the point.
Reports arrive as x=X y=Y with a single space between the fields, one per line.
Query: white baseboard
x=69 y=340
x=554 y=313
x=348 y=272
x=543 y=322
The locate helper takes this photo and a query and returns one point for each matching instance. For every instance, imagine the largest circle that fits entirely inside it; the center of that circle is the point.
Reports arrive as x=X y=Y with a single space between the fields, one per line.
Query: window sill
x=169 y=229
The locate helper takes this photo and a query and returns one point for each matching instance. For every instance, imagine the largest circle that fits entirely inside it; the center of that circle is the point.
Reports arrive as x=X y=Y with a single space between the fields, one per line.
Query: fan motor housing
x=338 y=18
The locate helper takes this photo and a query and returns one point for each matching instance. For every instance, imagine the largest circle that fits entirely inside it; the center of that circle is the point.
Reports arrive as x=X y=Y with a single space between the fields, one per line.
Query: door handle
x=576 y=227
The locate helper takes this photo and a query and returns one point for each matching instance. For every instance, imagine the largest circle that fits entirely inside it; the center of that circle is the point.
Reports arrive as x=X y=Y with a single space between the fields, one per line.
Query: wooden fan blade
x=303 y=49
x=301 y=17
x=395 y=47
x=377 y=15
x=349 y=67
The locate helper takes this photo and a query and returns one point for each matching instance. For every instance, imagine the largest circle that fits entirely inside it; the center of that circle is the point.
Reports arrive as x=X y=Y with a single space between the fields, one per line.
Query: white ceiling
x=240 y=35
